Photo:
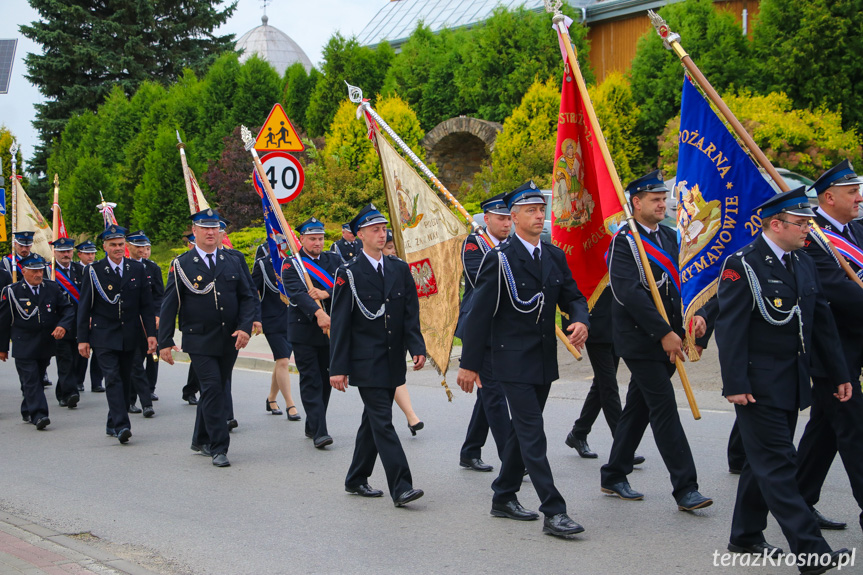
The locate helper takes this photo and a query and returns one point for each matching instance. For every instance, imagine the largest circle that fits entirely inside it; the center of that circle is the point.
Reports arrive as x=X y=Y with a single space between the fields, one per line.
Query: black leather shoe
x=46 y=383
x=827 y=523
x=42 y=423
x=561 y=525
x=407 y=497
x=154 y=397
x=110 y=432
x=98 y=389
x=364 y=490
x=191 y=399
x=134 y=409
x=80 y=387
x=149 y=412
x=25 y=417
x=693 y=500
x=310 y=435
x=819 y=568
x=622 y=490
x=734 y=470
x=638 y=459
x=72 y=400
x=232 y=424
x=323 y=441
x=416 y=427
x=221 y=460
x=203 y=449
x=63 y=403
x=580 y=445
x=757 y=549
x=124 y=434
x=475 y=463
x=513 y=510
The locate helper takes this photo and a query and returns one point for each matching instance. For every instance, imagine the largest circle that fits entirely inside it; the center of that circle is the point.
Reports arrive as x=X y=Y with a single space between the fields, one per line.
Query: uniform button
x=388 y=299
x=221 y=309
x=223 y=323
x=389 y=332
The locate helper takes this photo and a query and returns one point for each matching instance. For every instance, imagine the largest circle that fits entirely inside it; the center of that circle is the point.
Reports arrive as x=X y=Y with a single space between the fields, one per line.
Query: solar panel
x=7 y=56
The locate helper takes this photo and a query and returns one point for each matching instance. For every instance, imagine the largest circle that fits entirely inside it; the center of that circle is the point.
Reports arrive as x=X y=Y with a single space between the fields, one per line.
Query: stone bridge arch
x=459 y=146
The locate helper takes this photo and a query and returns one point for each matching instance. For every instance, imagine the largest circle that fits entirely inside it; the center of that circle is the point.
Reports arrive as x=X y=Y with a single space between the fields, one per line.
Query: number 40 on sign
x=285 y=174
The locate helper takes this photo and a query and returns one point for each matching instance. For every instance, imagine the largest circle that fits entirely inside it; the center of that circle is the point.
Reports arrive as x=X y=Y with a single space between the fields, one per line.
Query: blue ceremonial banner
x=718 y=186
x=276 y=241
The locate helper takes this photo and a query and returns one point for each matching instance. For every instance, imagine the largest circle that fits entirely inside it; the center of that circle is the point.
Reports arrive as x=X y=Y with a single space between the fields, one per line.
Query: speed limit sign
x=285 y=175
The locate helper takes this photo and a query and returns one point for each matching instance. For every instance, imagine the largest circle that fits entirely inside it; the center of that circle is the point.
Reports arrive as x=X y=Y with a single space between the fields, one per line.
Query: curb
x=99 y=556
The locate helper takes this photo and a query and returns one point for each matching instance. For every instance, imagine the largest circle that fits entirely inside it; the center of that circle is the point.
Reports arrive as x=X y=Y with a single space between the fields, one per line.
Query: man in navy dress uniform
x=649 y=345
x=836 y=425
x=215 y=300
x=489 y=410
x=86 y=256
x=348 y=246
x=115 y=313
x=309 y=325
x=375 y=320
x=772 y=316
x=513 y=306
x=139 y=250
x=69 y=276
x=34 y=314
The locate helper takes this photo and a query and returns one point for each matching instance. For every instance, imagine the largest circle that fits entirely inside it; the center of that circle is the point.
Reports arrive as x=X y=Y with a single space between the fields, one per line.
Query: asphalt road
x=282 y=508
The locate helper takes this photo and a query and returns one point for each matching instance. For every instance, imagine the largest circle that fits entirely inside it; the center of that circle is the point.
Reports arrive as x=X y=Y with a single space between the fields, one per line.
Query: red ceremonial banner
x=585 y=210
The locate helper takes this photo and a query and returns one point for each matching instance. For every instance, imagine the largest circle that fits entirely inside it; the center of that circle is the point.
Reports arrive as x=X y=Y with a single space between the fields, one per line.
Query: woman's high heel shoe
x=294 y=417
x=272 y=411
x=416 y=427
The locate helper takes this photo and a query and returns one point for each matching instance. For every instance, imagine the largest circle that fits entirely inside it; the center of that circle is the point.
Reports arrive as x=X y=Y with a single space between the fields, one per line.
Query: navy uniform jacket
x=157 y=284
x=600 y=319
x=116 y=326
x=76 y=275
x=207 y=320
x=32 y=337
x=274 y=312
x=523 y=349
x=765 y=360
x=239 y=255
x=302 y=323
x=473 y=251
x=844 y=296
x=372 y=352
x=347 y=250
x=638 y=326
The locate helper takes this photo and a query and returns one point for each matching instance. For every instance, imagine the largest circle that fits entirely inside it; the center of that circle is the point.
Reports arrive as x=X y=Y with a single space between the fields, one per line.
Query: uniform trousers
x=152 y=369
x=117 y=370
x=68 y=368
x=736 y=453
x=30 y=373
x=604 y=394
x=650 y=400
x=313 y=363
x=768 y=482
x=525 y=448
x=192 y=386
x=833 y=426
x=96 y=375
x=489 y=412
x=214 y=374
x=377 y=436
x=138 y=386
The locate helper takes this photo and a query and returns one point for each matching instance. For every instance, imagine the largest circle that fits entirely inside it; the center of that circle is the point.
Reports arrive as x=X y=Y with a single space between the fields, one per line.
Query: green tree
x=811 y=51
x=345 y=60
x=618 y=116
x=505 y=55
x=804 y=141
x=299 y=86
x=90 y=46
x=716 y=43
x=259 y=87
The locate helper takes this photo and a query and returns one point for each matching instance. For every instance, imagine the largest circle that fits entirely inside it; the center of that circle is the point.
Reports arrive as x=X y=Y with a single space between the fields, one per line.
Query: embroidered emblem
x=532 y=185
x=196 y=286
x=372 y=206
x=221 y=257
x=424 y=278
x=730 y=275
x=777 y=302
x=471 y=247
x=340 y=281
x=806 y=243
x=209 y=212
x=113 y=230
x=195 y=259
x=768 y=259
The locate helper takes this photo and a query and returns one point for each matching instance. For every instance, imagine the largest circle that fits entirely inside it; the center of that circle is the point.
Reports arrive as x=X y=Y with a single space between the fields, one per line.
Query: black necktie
x=36 y=291
x=786 y=259
x=381 y=272
x=537 y=259
x=117 y=271
x=848 y=234
x=212 y=261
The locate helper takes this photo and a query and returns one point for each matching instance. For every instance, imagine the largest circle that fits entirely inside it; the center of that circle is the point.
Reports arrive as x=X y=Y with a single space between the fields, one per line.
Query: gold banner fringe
x=696 y=304
x=443 y=383
x=600 y=287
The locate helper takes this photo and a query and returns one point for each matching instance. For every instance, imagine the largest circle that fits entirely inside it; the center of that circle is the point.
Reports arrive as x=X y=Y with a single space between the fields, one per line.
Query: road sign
x=278 y=134
x=285 y=174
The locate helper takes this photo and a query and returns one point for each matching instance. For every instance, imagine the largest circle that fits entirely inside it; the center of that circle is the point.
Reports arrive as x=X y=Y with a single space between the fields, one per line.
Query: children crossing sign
x=278 y=134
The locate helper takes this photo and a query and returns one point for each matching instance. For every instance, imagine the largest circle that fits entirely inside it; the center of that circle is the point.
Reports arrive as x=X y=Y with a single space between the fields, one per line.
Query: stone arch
x=459 y=146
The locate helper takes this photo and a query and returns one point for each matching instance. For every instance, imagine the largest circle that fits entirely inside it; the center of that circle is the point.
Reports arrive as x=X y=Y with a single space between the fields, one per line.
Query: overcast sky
x=309 y=22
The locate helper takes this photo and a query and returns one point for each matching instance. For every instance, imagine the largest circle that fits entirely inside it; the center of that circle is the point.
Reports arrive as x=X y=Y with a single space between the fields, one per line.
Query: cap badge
x=209 y=212
x=532 y=185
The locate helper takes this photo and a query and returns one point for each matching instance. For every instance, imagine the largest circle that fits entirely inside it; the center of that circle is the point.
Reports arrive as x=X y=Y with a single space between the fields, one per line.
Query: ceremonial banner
x=717 y=188
x=585 y=209
x=30 y=220
x=201 y=204
x=277 y=243
x=432 y=237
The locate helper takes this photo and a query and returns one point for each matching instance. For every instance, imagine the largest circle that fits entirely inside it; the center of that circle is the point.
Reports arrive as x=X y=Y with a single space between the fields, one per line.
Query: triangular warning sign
x=278 y=134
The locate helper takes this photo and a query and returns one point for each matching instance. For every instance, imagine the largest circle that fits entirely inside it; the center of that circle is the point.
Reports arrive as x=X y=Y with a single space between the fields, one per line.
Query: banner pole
x=14 y=150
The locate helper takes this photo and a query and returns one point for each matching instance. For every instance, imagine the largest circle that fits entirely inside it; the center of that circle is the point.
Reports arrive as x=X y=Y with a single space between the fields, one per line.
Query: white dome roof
x=272 y=45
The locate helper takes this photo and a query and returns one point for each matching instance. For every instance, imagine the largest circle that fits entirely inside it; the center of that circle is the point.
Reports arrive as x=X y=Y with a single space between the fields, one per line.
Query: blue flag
x=718 y=186
x=277 y=242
